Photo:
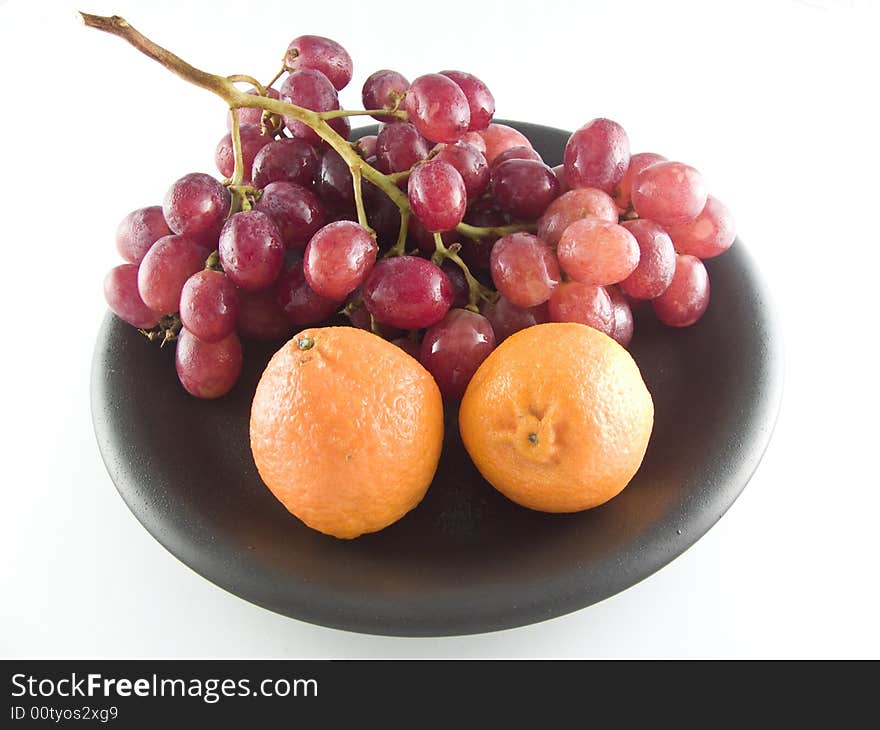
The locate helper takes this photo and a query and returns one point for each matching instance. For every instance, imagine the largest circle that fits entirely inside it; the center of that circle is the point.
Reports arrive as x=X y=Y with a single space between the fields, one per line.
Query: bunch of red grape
x=489 y=239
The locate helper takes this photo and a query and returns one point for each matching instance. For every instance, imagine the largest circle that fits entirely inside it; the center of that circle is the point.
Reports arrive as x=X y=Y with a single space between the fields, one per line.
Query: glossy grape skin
x=384 y=89
x=124 y=299
x=437 y=195
x=423 y=238
x=669 y=193
x=251 y=249
x=338 y=258
x=686 y=299
x=499 y=137
x=209 y=305
x=301 y=304
x=260 y=317
x=475 y=139
x=322 y=54
x=572 y=301
x=411 y=347
x=252 y=141
x=573 y=206
x=524 y=269
x=454 y=348
x=139 y=230
x=251 y=115
x=207 y=369
x=597 y=155
x=481 y=103
x=196 y=206
x=708 y=235
x=559 y=171
x=295 y=210
x=471 y=165
x=334 y=184
x=383 y=215
x=407 y=292
x=311 y=89
x=594 y=251
x=637 y=163
x=507 y=318
x=520 y=152
x=362 y=319
x=438 y=108
x=476 y=253
x=623 y=317
x=164 y=270
x=366 y=146
x=399 y=146
x=524 y=188
x=656 y=260
x=286 y=160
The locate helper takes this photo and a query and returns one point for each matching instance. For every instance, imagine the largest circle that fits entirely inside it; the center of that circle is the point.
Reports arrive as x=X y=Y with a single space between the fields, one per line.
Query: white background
x=773 y=101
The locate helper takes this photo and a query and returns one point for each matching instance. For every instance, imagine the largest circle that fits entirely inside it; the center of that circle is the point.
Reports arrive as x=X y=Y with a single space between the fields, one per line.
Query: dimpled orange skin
x=346 y=434
x=557 y=418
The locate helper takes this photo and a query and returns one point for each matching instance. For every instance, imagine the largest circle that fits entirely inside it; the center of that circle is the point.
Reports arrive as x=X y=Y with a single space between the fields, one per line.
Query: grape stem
x=476 y=291
x=336 y=113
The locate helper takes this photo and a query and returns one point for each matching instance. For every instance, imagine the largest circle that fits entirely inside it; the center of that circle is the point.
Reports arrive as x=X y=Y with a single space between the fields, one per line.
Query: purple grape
x=384 y=89
x=507 y=318
x=438 y=108
x=286 y=160
x=471 y=165
x=454 y=348
x=251 y=115
x=322 y=54
x=669 y=193
x=366 y=146
x=251 y=249
x=209 y=305
x=165 y=269
x=196 y=206
x=260 y=317
x=597 y=155
x=124 y=299
x=295 y=210
x=572 y=301
x=524 y=269
x=407 y=292
x=481 y=103
x=623 y=317
x=338 y=258
x=708 y=235
x=207 y=369
x=524 y=188
x=399 y=146
x=656 y=260
x=301 y=304
x=139 y=230
x=311 y=89
x=335 y=185
x=686 y=299
x=461 y=292
x=520 y=152
x=437 y=195
x=252 y=141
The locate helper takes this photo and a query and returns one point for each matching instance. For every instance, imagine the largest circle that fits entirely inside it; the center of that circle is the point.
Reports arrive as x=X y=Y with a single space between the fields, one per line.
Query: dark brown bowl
x=466 y=560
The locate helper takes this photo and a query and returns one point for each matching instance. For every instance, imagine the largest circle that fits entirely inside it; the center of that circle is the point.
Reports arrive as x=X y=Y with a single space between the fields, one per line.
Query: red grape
x=438 y=108
x=139 y=230
x=286 y=160
x=460 y=290
x=366 y=146
x=301 y=304
x=524 y=188
x=437 y=195
x=296 y=211
x=572 y=206
x=251 y=249
x=196 y=205
x=335 y=185
x=424 y=239
x=524 y=269
x=260 y=317
x=637 y=163
x=410 y=346
x=687 y=297
x=311 y=89
x=407 y=292
x=399 y=146
x=594 y=251
x=322 y=54
x=572 y=301
x=710 y=234
x=559 y=171
x=209 y=305
x=124 y=299
x=656 y=260
x=251 y=115
x=498 y=138
x=384 y=89
x=597 y=155
x=164 y=270
x=454 y=348
x=471 y=165
x=252 y=141
x=669 y=193
x=520 y=152
x=475 y=139
x=623 y=317
x=507 y=318
x=338 y=259
x=207 y=369
x=481 y=103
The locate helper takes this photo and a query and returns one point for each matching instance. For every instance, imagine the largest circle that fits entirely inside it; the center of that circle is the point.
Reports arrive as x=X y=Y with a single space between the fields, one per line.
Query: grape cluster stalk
x=444 y=233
